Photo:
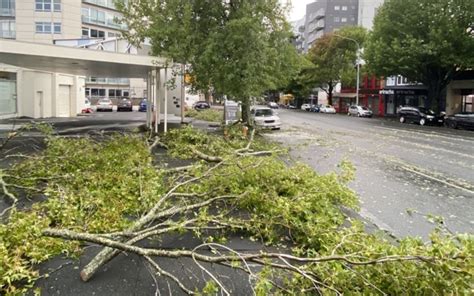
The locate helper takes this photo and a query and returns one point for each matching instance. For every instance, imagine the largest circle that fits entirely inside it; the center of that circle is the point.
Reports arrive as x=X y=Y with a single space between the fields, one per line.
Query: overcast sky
x=298 y=8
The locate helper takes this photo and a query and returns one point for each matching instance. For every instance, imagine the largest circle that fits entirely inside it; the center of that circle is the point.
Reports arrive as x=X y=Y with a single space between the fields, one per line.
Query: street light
x=358 y=64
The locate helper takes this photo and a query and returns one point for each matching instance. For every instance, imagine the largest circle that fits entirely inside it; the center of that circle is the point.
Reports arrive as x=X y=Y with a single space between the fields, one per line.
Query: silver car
x=104 y=105
x=265 y=117
x=360 y=111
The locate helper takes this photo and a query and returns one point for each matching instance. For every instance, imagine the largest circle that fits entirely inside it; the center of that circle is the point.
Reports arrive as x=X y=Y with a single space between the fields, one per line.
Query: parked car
x=87 y=107
x=290 y=106
x=327 y=109
x=305 y=107
x=265 y=117
x=124 y=105
x=104 y=105
x=460 y=120
x=360 y=111
x=314 y=108
x=143 y=105
x=273 y=105
x=420 y=115
x=201 y=105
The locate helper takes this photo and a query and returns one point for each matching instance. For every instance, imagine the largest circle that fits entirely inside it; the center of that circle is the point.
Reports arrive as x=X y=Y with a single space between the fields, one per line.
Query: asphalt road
x=399 y=166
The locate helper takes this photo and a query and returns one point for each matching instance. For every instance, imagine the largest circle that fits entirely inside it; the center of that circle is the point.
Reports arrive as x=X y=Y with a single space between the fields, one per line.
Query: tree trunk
x=330 y=90
x=246 y=118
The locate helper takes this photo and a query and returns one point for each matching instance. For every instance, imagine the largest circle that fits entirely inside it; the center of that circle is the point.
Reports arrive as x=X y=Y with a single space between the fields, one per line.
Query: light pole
x=357 y=63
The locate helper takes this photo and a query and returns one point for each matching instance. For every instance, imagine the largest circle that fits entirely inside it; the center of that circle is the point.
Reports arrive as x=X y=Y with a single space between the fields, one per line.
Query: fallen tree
x=234 y=186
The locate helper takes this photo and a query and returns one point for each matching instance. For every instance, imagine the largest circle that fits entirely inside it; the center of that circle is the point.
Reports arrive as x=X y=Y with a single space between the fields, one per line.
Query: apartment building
x=85 y=23
x=325 y=16
x=367 y=11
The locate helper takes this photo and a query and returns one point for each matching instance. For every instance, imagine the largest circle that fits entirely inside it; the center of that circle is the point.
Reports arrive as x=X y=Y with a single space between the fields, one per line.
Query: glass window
x=94 y=33
x=111 y=93
x=47 y=27
x=337 y=19
x=101 y=34
x=344 y=8
x=44 y=5
x=85 y=32
x=57 y=28
x=102 y=92
x=94 y=92
x=88 y=91
x=126 y=93
x=337 y=7
x=344 y=20
x=57 y=5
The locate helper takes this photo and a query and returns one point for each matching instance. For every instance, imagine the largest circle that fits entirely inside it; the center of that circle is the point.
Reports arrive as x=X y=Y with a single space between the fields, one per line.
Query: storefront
x=395 y=98
x=8 y=94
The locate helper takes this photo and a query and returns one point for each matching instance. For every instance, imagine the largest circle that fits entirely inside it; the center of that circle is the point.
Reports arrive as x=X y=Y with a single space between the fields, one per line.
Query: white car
x=328 y=109
x=359 y=111
x=305 y=107
x=273 y=105
x=104 y=105
x=265 y=117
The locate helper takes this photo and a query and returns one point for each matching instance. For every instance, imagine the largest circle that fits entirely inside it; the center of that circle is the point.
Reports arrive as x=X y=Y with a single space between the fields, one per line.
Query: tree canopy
x=427 y=41
x=239 y=48
x=333 y=57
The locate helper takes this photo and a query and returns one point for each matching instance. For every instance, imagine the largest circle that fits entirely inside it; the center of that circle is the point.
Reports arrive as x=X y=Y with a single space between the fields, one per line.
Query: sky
x=298 y=9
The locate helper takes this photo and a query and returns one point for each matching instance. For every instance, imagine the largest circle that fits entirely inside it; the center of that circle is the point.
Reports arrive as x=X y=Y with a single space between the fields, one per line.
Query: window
x=85 y=32
x=344 y=20
x=57 y=28
x=42 y=27
x=126 y=93
x=88 y=92
x=48 y=5
x=115 y=93
x=344 y=8
x=97 y=92
x=97 y=33
x=337 y=19
x=48 y=28
x=337 y=7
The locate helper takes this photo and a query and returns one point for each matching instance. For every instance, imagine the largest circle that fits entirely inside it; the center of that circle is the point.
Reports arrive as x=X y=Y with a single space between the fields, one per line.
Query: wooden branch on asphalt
x=208 y=158
x=260 y=258
x=13 y=199
x=107 y=254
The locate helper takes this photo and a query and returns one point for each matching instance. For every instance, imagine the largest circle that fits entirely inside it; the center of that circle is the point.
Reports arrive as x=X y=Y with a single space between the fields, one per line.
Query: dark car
x=314 y=108
x=460 y=120
x=142 y=106
x=124 y=105
x=420 y=115
x=201 y=105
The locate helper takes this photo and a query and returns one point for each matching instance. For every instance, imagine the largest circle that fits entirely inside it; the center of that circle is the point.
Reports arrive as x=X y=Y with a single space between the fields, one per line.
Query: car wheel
x=348 y=113
x=453 y=125
x=422 y=121
x=358 y=114
x=402 y=119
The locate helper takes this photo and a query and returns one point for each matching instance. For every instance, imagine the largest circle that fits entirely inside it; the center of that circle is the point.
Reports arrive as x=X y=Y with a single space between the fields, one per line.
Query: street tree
x=238 y=48
x=334 y=57
x=426 y=41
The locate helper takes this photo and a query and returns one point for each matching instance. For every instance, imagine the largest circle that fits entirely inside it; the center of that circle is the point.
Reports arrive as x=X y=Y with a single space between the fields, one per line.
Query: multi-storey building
x=85 y=22
x=325 y=16
x=367 y=11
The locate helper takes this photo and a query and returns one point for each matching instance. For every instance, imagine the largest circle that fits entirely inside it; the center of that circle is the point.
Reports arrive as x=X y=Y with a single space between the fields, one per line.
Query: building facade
x=326 y=16
x=68 y=23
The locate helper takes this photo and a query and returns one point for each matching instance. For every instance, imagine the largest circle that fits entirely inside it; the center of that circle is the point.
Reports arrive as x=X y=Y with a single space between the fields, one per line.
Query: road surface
x=400 y=167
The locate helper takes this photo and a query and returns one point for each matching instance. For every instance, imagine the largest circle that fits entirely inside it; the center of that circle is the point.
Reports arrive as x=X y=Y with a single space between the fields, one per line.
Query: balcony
x=115 y=81
x=7 y=11
x=103 y=3
x=110 y=23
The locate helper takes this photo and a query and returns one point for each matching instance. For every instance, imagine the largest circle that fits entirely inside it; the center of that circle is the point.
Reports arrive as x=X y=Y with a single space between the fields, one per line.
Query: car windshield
x=426 y=111
x=365 y=108
x=263 y=112
x=328 y=106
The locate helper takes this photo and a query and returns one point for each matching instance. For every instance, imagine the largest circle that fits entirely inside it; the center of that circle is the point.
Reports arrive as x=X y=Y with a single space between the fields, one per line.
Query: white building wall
x=367 y=11
x=27 y=16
